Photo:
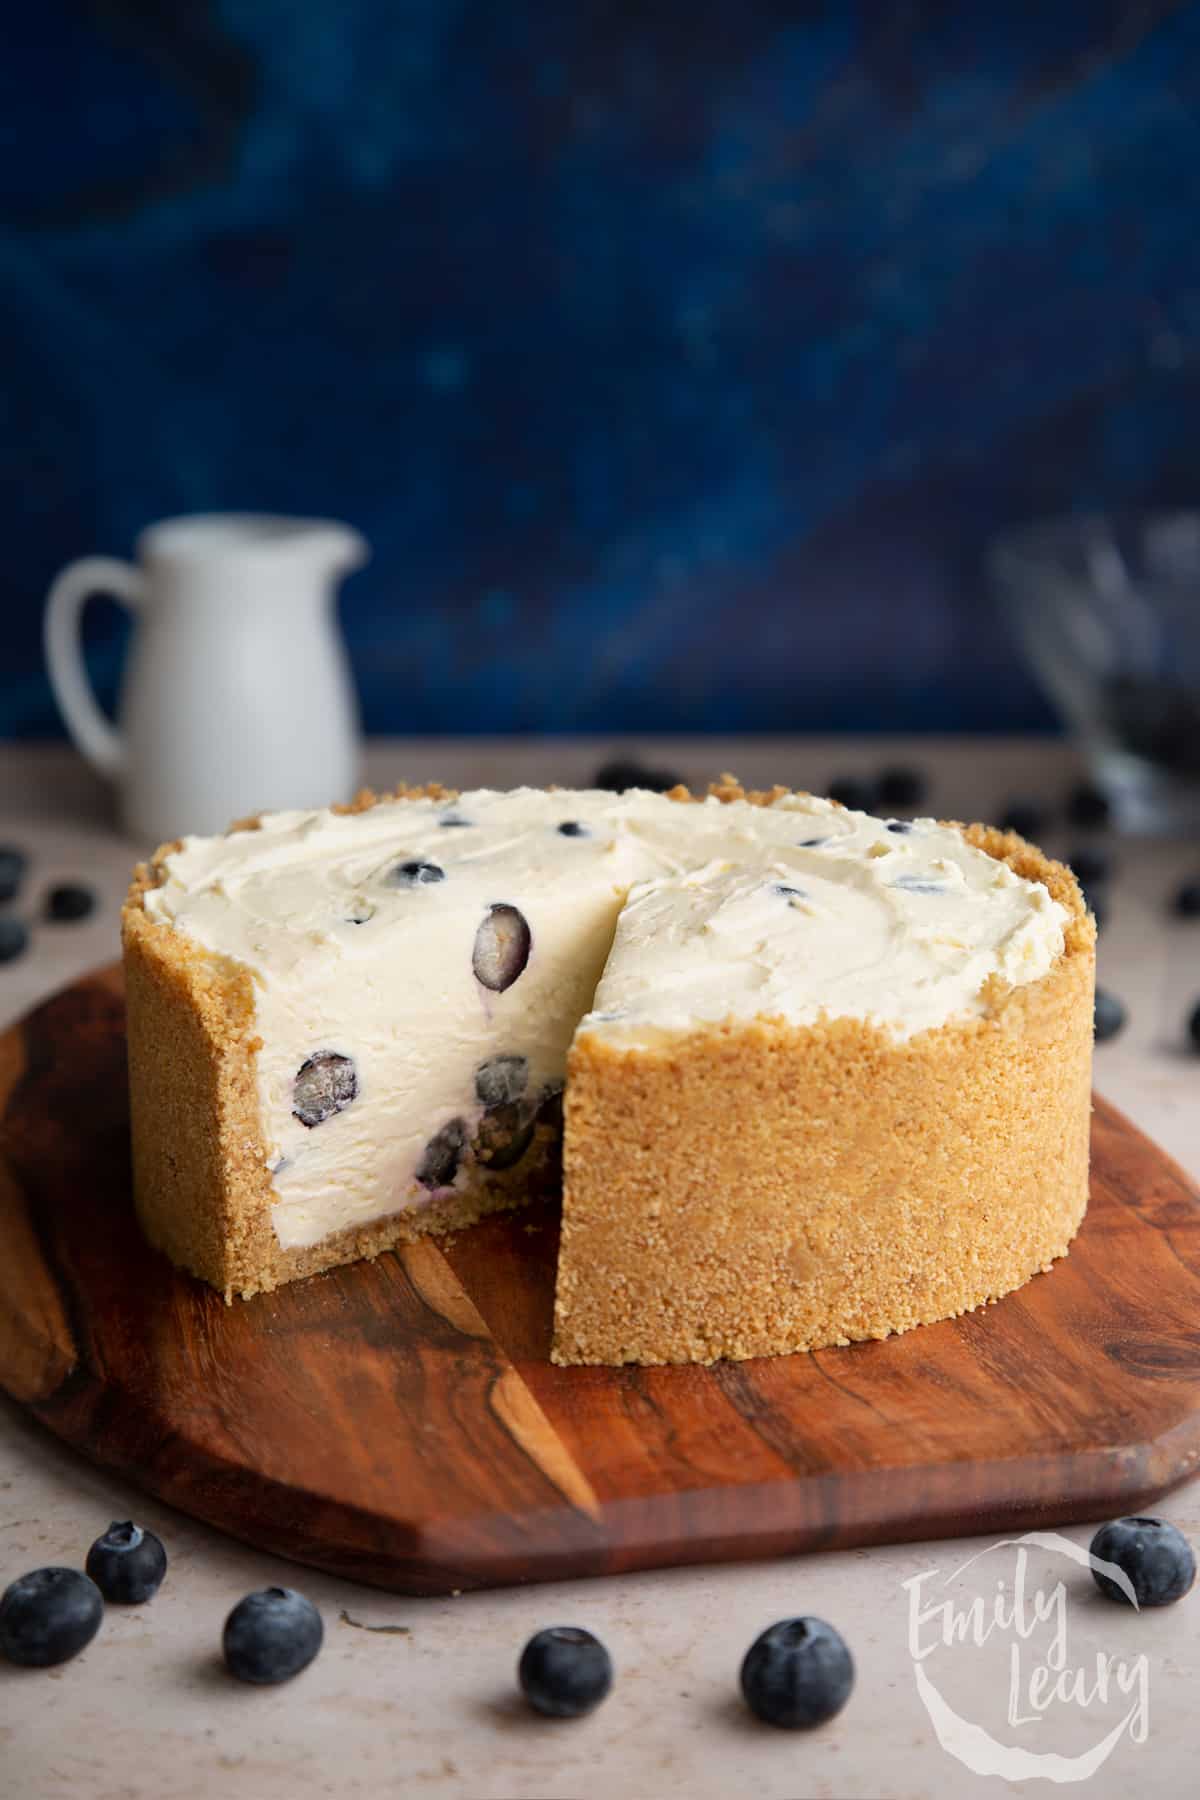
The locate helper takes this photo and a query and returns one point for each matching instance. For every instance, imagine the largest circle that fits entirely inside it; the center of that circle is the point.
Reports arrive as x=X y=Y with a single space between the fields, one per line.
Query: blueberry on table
x=127 y=1564
x=13 y=863
x=797 y=1674
x=1186 y=904
x=1090 y=865
x=14 y=937
x=564 y=1672
x=857 y=792
x=1024 y=817
x=442 y=1154
x=271 y=1635
x=1154 y=1556
x=326 y=1083
x=414 y=874
x=501 y=1079
x=69 y=902
x=1109 y=1015
x=502 y=946
x=1088 y=804
x=622 y=773
x=901 y=786
x=48 y=1616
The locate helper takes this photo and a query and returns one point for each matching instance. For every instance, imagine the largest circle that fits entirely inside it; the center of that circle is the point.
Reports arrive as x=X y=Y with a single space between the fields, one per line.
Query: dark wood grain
x=400 y=1422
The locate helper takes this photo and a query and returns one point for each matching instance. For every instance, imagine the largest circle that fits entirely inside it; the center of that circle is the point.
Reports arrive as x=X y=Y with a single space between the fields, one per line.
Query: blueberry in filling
x=901 y=827
x=414 y=874
x=442 y=1154
x=790 y=893
x=453 y=822
x=325 y=1084
x=573 y=828
x=504 y=1135
x=917 y=884
x=501 y=1080
x=502 y=946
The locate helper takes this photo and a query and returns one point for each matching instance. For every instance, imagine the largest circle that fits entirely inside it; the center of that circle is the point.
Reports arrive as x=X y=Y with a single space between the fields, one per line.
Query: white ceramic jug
x=237 y=694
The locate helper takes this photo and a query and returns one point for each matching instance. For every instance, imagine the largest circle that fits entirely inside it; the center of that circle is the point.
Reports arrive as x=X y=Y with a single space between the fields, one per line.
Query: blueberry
x=414 y=874
x=1090 y=864
x=1025 y=817
x=902 y=787
x=789 y=893
x=623 y=773
x=127 y=1564
x=501 y=1079
x=811 y=843
x=504 y=1135
x=573 y=828
x=564 y=1672
x=1088 y=804
x=797 y=1674
x=502 y=946
x=1194 y=1026
x=271 y=1635
x=441 y=1156
x=13 y=863
x=14 y=936
x=1109 y=1015
x=917 y=884
x=854 y=791
x=48 y=1616
x=69 y=902
x=1154 y=1555
x=1186 y=904
x=453 y=821
x=326 y=1083
x=899 y=827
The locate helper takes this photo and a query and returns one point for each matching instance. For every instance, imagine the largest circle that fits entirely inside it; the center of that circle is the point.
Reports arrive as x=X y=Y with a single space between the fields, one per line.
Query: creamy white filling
x=351 y=959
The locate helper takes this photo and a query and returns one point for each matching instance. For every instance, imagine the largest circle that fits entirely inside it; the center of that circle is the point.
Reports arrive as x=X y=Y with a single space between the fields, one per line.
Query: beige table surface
x=146 y=1711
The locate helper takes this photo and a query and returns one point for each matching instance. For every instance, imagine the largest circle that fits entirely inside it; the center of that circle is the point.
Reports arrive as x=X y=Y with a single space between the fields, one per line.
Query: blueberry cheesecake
x=803 y=1076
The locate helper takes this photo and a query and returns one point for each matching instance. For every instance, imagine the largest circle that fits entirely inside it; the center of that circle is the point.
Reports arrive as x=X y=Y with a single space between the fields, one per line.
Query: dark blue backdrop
x=676 y=358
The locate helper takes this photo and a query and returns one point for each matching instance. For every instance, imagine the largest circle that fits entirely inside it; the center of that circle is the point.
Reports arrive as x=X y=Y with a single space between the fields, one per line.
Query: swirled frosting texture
x=362 y=935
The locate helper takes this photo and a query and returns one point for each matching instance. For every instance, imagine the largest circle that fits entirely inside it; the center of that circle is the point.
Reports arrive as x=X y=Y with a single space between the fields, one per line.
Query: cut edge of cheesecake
x=202 y=1185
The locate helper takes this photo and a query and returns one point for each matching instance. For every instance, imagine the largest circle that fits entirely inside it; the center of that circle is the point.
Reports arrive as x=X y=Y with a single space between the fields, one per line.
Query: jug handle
x=93 y=733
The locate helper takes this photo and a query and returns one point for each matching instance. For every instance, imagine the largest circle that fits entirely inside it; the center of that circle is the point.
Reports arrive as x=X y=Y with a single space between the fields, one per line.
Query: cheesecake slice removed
x=826 y=1076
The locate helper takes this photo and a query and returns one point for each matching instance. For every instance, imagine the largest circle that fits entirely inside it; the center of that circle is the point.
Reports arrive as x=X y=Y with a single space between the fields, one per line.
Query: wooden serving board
x=400 y=1422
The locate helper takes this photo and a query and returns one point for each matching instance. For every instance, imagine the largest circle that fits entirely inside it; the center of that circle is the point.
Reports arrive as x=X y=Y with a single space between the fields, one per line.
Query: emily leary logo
x=1006 y=1626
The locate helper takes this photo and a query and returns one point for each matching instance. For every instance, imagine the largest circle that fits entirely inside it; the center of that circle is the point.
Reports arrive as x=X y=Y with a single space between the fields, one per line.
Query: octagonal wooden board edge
x=400 y=1422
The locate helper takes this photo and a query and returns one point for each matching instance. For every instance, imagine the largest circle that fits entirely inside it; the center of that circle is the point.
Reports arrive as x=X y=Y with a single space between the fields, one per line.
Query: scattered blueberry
x=414 y=874
x=14 y=936
x=1088 y=805
x=564 y=1672
x=48 y=1616
x=271 y=1635
x=902 y=787
x=1024 y=817
x=624 y=773
x=574 y=828
x=453 y=821
x=503 y=1136
x=854 y=791
x=1109 y=1015
x=127 y=1564
x=501 y=1080
x=1090 y=864
x=900 y=827
x=1153 y=1554
x=13 y=863
x=797 y=1674
x=502 y=946
x=441 y=1156
x=326 y=1083
x=1186 y=904
x=1194 y=1026
x=69 y=902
